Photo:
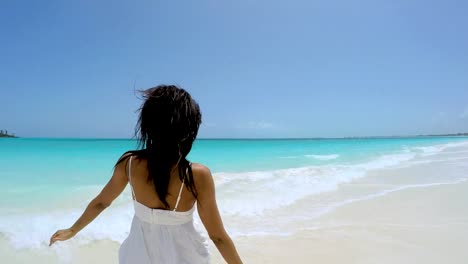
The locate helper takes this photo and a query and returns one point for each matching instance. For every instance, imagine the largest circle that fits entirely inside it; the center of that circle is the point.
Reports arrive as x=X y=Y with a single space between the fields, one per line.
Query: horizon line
x=268 y=138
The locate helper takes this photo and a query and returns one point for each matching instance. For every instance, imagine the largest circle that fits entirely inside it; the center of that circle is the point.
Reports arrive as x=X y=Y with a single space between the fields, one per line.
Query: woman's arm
x=113 y=188
x=209 y=214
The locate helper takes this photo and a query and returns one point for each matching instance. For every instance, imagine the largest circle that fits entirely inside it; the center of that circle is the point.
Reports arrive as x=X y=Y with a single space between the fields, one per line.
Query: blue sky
x=257 y=68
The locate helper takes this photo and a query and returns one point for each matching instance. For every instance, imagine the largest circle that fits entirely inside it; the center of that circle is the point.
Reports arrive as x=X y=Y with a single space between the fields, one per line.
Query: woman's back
x=160 y=235
x=146 y=195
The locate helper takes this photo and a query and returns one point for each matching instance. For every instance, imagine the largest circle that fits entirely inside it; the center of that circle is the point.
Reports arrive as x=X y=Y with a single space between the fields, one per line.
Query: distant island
x=5 y=134
x=450 y=135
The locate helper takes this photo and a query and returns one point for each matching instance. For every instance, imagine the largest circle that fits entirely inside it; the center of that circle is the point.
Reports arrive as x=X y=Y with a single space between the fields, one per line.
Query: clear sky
x=258 y=68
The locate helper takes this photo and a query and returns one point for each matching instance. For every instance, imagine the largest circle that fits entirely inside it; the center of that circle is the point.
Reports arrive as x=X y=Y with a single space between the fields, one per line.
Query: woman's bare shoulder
x=136 y=157
x=201 y=173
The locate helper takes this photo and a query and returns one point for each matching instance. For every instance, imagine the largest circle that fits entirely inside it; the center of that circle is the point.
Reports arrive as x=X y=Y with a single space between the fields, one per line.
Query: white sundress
x=162 y=236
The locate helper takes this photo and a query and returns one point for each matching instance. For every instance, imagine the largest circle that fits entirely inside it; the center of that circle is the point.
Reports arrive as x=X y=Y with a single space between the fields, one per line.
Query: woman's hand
x=113 y=188
x=61 y=235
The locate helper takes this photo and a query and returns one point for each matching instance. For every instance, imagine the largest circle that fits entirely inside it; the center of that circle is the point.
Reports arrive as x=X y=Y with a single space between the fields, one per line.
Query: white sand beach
x=427 y=225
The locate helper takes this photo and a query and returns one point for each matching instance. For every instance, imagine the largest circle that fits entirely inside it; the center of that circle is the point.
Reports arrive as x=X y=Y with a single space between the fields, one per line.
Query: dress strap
x=180 y=192
x=130 y=176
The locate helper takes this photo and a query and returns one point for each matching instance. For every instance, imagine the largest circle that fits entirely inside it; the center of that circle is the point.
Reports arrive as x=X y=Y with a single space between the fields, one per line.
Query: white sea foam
x=323 y=157
x=249 y=193
x=34 y=230
x=435 y=149
x=314 y=156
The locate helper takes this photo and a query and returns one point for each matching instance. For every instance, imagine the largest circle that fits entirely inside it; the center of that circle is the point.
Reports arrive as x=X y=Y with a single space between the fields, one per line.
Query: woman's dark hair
x=166 y=129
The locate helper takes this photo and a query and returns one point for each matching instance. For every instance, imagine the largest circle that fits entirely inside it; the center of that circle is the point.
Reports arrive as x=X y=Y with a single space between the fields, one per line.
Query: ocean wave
x=253 y=193
x=435 y=149
x=314 y=156
x=34 y=230
x=323 y=157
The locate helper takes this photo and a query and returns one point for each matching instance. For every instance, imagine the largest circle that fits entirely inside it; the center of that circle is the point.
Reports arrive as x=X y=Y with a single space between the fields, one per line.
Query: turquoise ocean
x=47 y=183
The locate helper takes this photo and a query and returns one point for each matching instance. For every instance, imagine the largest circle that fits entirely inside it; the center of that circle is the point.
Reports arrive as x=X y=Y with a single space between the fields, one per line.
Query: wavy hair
x=166 y=129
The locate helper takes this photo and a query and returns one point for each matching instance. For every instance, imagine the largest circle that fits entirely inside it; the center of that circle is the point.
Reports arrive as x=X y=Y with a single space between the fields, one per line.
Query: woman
x=165 y=187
